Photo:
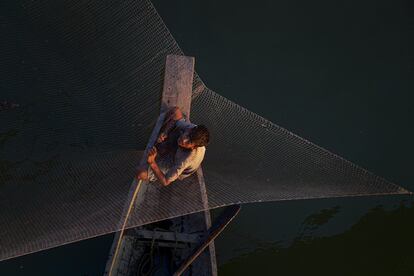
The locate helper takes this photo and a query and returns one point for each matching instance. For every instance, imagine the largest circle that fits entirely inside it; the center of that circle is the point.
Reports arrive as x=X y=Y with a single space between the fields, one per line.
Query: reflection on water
x=6 y=136
x=380 y=243
x=312 y=222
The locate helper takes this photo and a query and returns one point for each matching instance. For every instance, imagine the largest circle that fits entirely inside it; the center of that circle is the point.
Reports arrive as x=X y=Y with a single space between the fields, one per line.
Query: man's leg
x=169 y=146
x=145 y=172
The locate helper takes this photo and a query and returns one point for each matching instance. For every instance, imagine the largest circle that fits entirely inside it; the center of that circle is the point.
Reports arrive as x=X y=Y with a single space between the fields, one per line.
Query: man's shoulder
x=199 y=153
x=201 y=150
x=189 y=156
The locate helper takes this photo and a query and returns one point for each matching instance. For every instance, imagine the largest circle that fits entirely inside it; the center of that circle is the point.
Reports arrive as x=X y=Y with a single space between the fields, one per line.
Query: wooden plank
x=170 y=244
x=168 y=236
x=178 y=83
x=177 y=91
x=207 y=217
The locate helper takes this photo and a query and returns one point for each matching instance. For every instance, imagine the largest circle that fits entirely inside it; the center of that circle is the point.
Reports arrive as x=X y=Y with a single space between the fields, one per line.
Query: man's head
x=192 y=138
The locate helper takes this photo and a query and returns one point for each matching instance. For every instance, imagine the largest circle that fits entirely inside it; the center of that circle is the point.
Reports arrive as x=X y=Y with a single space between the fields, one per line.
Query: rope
x=146 y=266
x=147 y=262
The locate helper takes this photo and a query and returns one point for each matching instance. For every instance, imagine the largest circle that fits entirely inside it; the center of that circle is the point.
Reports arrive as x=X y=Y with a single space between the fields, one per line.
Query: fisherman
x=179 y=150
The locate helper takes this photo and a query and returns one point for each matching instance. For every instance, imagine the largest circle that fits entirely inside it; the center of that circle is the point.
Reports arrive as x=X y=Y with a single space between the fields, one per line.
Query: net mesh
x=83 y=81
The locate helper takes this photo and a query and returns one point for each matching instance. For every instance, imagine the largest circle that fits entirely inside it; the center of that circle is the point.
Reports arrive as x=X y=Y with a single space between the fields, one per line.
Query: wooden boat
x=175 y=246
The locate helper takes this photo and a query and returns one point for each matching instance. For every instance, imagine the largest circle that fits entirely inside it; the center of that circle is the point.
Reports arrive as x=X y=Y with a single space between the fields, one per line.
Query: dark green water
x=339 y=74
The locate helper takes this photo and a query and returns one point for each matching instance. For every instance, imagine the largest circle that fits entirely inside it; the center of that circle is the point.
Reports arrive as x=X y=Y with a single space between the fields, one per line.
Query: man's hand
x=152 y=153
x=162 y=137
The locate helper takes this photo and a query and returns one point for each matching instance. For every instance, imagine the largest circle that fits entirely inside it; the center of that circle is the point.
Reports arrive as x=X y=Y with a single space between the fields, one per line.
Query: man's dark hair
x=199 y=135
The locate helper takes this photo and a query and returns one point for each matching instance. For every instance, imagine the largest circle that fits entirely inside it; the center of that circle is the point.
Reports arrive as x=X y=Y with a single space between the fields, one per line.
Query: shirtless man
x=181 y=145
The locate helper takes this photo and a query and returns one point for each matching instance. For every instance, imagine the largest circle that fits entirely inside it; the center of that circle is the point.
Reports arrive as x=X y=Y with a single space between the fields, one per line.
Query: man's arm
x=173 y=173
x=154 y=166
x=159 y=174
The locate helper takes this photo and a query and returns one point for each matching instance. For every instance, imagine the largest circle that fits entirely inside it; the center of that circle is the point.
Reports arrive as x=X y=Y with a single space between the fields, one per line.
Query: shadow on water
x=312 y=222
x=379 y=243
x=6 y=136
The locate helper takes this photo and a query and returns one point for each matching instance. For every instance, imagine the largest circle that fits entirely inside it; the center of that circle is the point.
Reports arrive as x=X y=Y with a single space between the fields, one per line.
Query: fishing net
x=80 y=91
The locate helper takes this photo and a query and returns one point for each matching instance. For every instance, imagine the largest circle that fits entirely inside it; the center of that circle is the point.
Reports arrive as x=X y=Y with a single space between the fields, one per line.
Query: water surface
x=339 y=74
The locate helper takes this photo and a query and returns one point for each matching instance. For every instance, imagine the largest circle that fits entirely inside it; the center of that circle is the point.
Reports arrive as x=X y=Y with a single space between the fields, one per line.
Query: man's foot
x=174 y=114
